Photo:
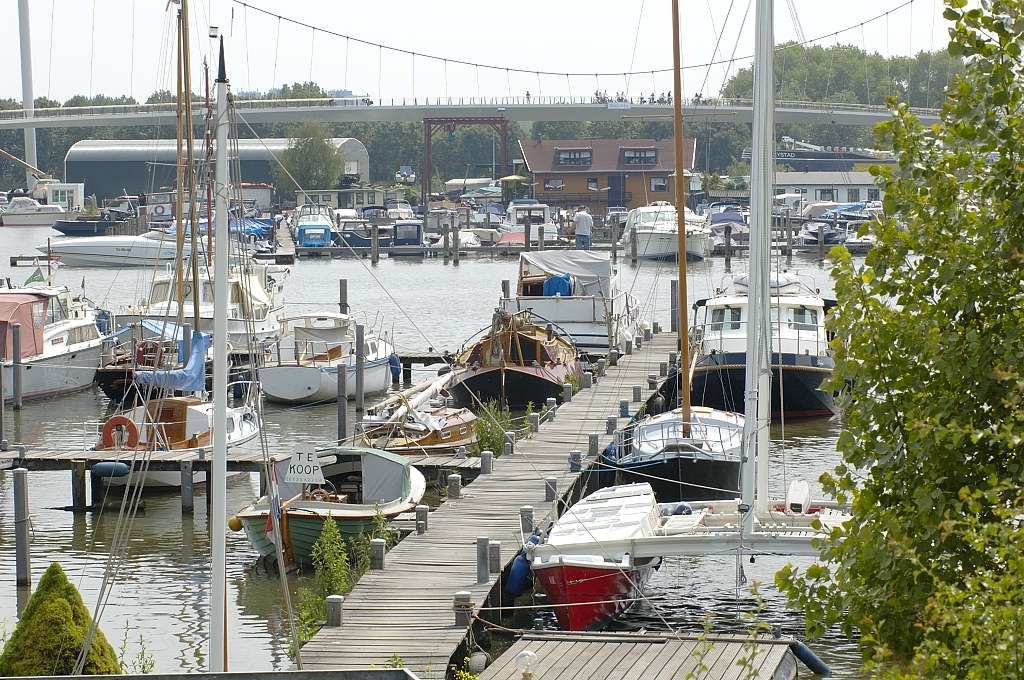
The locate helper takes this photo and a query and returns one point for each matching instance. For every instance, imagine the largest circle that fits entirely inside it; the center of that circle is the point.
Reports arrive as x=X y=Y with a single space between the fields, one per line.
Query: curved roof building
x=110 y=167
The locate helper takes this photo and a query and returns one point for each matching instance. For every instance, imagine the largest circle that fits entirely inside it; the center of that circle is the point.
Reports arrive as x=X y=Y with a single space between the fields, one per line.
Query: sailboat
x=685 y=453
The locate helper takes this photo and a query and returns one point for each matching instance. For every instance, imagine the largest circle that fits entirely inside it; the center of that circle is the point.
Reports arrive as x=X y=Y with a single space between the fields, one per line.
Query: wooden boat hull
x=522 y=384
x=589 y=596
x=719 y=382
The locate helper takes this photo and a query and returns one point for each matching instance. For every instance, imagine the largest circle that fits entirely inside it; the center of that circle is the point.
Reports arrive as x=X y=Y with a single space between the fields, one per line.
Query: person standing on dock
x=584 y=225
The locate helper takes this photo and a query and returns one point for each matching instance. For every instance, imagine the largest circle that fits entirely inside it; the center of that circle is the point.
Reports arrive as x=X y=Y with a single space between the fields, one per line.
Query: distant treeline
x=842 y=73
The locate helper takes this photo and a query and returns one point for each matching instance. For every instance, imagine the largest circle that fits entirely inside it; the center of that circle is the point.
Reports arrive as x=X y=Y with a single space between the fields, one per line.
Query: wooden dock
x=648 y=657
x=407 y=608
x=284 y=247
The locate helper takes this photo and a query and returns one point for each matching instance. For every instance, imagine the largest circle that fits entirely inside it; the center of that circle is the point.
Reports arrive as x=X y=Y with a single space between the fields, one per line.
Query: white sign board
x=304 y=468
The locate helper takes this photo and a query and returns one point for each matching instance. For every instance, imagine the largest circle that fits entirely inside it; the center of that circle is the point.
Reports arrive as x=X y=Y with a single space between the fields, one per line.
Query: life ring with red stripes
x=124 y=423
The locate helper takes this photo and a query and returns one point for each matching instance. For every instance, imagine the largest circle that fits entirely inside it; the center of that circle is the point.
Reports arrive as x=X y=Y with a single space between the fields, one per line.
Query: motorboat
x=314 y=227
x=304 y=363
x=407 y=238
x=591 y=587
x=801 y=357
x=657 y=233
x=515 y=363
x=145 y=250
x=359 y=234
x=699 y=462
x=361 y=485
x=60 y=341
x=577 y=291
x=23 y=211
x=86 y=226
x=255 y=304
x=535 y=215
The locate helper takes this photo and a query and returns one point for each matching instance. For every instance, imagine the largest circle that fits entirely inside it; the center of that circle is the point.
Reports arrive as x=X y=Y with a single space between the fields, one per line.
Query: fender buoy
x=115 y=422
x=159 y=209
x=149 y=353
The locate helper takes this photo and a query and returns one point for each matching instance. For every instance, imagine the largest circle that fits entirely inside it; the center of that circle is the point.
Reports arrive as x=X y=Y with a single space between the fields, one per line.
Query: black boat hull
x=522 y=387
x=719 y=381
x=680 y=478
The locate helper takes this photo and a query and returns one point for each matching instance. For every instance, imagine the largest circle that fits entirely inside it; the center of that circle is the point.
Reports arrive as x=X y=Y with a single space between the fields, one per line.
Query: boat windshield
x=652 y=217
x=706 y=435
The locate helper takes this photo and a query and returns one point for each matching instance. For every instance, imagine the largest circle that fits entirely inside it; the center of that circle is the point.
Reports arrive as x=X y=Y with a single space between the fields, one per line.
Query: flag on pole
x=37 y=277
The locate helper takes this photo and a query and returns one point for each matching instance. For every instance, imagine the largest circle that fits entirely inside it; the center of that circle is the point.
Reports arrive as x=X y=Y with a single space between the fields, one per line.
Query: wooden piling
x=377 y=549
x=454 y=486
x=552 y=408
x=22 y=558
x=455 y=247
x=374 y=244
x=632 y=247
x=16 y=391
x=587 y=381
x=526 y=519
x=360 y=367
x=79 y=503
x=342 y=380
x=335 y=607
x=593 y=443
x=343 y=296
x=483 y=559
x=486 y=462
x=494 y=557
x=422 y=517
x=575 y=460
x=610 y=423
x=506 y=289
x=187 y=488
x=673 y=306
x=550 y=488
x=624 y=408
x=566 y=392
x=462 y=605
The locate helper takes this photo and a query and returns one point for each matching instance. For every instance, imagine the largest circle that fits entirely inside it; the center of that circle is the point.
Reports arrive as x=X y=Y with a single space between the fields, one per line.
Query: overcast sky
x=118 y=47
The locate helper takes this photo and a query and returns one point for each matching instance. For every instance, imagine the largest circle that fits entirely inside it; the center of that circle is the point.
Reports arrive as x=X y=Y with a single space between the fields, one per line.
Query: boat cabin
x=407 y=233
x=51 y=322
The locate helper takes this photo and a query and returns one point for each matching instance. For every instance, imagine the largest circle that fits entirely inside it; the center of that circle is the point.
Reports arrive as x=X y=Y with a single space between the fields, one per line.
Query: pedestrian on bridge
x=583 y=225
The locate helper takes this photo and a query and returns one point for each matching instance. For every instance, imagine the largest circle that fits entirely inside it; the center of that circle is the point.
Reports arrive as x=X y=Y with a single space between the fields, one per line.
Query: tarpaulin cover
x=591 y=271
x=163 y=330
x=191 y=378
x=29 y=310
x=560 y=284
x=727 y=216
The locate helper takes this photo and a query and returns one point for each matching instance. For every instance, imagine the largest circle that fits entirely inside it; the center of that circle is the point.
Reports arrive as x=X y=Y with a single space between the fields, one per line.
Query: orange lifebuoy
x=149 y=353
x=115 y=422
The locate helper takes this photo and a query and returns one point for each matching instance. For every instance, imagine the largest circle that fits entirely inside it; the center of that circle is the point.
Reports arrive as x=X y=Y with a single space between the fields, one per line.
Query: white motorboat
x=657 y=232
x=536 y=215
x=60 y=341
x=144 y=250
x=578 y=292
x=23 y=211
x=304 y=364
x=588 y=590
x=255 y=304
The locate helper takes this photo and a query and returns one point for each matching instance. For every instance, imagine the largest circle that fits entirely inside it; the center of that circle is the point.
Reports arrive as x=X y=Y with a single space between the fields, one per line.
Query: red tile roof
x=607 y=155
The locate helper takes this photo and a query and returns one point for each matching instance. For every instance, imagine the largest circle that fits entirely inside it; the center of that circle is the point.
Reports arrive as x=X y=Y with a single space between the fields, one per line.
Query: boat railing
x=788 y=337
x=704 y=439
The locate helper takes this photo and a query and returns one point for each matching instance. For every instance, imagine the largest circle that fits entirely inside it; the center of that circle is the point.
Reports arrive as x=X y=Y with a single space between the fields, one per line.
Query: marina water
x=162 y=594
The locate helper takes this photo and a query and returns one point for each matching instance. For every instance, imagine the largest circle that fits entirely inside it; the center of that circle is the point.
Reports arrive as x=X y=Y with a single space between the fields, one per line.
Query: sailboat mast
x=218 y=468
x=190 y=160
x=179 y=206
x=208 y=169
x=677 y=126
x=762 y=169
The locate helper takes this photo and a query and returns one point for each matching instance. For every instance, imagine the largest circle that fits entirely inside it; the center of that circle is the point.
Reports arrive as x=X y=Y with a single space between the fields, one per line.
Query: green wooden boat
x=359 y=483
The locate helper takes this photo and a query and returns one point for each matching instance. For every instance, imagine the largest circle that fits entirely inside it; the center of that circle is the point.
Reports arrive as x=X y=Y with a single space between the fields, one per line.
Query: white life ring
x=159 y=209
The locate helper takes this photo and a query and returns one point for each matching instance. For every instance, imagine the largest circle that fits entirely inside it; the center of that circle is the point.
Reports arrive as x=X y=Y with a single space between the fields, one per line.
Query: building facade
x=110 y=167
x=599 y=173
x=842 y=187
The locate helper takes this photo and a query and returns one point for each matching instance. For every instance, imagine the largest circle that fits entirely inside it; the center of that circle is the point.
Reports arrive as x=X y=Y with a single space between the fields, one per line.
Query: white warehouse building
x=842 y=187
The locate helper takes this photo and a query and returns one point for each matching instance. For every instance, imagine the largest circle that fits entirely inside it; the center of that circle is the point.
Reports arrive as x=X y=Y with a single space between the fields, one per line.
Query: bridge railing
x=498 y=103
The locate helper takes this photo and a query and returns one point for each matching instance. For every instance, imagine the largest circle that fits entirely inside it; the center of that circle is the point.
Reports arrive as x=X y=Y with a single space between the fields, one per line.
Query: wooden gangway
x=406 y=609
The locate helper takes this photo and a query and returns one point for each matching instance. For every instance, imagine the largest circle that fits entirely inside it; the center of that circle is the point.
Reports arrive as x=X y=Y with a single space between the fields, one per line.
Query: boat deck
x=406 y=608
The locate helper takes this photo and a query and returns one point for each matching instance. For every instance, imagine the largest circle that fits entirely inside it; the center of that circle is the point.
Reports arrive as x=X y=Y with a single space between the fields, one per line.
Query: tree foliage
x=311 y=160
x=929 y=343
x=52 y=631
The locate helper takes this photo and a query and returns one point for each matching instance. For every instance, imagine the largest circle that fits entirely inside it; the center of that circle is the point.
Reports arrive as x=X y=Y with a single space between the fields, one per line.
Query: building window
x=853 y=195
x=351 y=168
x=592 y=184
x=325 y=198
x=359 y=197
x=659 y=184
x=554 y=185
x=640 y=157
x=873 y=195
x=780 y=191
x=575 y=157
x=824 y=195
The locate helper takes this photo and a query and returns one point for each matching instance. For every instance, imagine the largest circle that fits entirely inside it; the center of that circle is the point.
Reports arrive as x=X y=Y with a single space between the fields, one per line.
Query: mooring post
x=527 y=234
x=652 y=381
x=494 y=555
x=454 y=486
x=461 y=452
x=335 y=607
x=422 y=517
x=587 y=380
x=377 y=549
x=343 y=296
x=264 y=481
x=648 y=333
x=663 y=369
x=462 y=605
x=673 y=359
x=510 y=443
x=360 y=367
x=789 y=238
x=341 y=377
x=610 y=423
x=550 y=489
x=23 y=565
x=506 y=289
x=526 y=519
x=16 y=365
x=629 y=347
x=613 y=358
x=186 y=340
x=632 y=246
x=97 y=490
x=566 y=393
x=483 y=559
x=78 y=499
x=615 y=241
x=638 y=342
x=575 y=460
x=624 y=408
x=593 y=443
x=655 y=327
x=728 y=246
x=3 y=404
x=534 y=419
x=374 y=244
x=446 y=248
x=455 y=247
x=486 y=462
x=602 y=365
x=673 y=306
x=552 y=408
x=187 y=487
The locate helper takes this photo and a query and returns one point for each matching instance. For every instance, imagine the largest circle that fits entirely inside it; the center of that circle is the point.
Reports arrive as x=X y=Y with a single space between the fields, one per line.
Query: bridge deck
x=406 y=609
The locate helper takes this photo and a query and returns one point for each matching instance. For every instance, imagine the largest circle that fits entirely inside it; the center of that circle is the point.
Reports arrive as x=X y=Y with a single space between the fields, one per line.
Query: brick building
x=603 y=172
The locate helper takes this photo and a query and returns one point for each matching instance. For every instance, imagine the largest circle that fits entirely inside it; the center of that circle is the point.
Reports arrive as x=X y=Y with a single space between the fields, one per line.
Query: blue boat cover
x=726 y=216
x=191 y=378
x=559 y=284
x=164 y=330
